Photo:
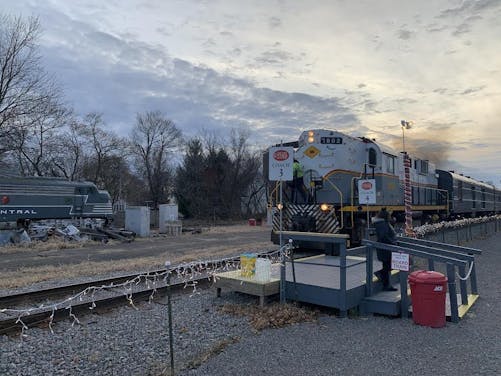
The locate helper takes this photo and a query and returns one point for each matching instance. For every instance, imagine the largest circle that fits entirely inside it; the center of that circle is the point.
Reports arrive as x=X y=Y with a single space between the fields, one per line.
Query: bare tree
x=34 y=139
x=71 y=145
x=153 y=138
x=25 y=87
x=104 y=145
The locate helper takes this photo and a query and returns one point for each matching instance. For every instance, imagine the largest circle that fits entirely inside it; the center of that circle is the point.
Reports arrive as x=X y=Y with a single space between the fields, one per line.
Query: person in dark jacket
x=385 y=234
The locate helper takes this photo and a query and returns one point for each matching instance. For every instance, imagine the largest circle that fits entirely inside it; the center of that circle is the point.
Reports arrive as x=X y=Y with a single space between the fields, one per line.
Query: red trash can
x=428 y=291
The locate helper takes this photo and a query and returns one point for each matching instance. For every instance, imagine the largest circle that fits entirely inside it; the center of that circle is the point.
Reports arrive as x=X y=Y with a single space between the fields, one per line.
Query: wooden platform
x=233 y=281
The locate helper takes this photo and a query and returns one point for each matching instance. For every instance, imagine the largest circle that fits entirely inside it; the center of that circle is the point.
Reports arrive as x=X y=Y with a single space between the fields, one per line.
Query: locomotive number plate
x=331 y=140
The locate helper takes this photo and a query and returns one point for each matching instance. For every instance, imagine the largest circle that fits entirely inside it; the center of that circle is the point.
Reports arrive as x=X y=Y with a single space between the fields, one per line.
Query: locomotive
x=333 y=164
x=33 y=198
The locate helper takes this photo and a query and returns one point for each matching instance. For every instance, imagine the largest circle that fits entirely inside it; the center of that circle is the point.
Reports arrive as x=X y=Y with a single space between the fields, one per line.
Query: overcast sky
x=279 y=67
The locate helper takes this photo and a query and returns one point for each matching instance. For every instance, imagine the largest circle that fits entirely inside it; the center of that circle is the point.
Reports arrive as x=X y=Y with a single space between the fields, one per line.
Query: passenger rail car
x=334 y=162
x=34 y=198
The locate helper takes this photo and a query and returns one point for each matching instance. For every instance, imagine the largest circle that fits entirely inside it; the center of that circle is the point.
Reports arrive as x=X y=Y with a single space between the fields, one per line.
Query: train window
x=372 y=157
x=473 y=202
x=460 y=190
x=483 y=198
x=424 y=167
x=390 y=164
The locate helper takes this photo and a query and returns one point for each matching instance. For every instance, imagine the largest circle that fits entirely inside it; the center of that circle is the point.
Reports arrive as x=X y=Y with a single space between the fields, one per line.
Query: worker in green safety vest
x=298 y=184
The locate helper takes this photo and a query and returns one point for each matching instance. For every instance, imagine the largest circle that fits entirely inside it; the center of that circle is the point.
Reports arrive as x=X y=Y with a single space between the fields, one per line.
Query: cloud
x=468 y=7
x=274 y=22
x=274 y=57
x=473 y=90
x=405 y=34
x=122 y=77
x=463 y=28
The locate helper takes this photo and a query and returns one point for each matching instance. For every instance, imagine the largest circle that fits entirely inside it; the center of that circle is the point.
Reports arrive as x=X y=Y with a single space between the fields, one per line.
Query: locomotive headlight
x=280 y=206
x=311 y=139
x=324 y=207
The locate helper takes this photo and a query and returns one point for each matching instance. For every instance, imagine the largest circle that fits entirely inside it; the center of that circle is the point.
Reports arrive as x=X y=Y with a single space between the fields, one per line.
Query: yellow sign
x=311 y=152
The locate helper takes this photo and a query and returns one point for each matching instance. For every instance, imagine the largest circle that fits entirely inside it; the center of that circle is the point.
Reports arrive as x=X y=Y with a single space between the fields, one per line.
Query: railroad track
x=59 y=303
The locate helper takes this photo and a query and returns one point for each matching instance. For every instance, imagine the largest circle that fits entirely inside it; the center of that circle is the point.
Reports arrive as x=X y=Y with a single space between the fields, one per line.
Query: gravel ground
x=135 y=342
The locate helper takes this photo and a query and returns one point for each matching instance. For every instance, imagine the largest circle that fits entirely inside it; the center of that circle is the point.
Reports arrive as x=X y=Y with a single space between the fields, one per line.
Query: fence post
x=463 y=285
x=453 y=299
x=473 y=278
x=343 y=312
x=169 y=310
x=404 y=300
x=369 y=266
x=431 y=264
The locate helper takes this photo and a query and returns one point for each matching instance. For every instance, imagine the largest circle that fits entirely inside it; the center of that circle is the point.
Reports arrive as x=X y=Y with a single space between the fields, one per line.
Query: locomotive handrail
x=326 y=178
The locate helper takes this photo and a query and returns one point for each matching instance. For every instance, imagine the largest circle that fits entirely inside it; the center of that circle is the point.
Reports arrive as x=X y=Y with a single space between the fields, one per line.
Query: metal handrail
x=450 y=258
x=326 y=178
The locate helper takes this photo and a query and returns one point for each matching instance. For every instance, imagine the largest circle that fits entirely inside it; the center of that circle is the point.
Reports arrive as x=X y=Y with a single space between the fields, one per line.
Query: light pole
x=405 y=125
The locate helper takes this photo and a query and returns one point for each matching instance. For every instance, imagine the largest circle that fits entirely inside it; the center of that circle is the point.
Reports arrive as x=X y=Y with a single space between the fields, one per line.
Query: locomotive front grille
x=306 y=217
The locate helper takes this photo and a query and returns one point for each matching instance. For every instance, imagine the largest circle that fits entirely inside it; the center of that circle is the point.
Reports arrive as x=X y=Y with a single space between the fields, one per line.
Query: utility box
x=166 y=213
x=137 y=219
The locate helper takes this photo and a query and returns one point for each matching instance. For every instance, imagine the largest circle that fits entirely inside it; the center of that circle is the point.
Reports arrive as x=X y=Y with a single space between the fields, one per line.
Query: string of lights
x=187 y=273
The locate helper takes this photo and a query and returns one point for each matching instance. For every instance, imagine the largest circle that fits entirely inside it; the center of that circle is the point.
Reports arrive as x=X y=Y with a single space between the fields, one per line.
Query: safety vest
x=297 y=170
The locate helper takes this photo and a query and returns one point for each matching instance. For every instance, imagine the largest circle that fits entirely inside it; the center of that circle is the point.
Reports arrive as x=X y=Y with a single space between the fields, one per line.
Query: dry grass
x=238 y=228
x=49 y=245
x=275 y=315
x=29 y=276
x=216 y=349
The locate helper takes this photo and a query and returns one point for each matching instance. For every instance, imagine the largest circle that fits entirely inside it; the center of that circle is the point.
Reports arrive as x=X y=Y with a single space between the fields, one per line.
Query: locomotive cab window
x=421 y=166
x=372 y=157
x=390 y=163
x=424 y=167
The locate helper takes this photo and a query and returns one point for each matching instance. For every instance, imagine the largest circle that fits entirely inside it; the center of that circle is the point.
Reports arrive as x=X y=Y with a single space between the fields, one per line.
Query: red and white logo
x=366 y=185
x=281 y=155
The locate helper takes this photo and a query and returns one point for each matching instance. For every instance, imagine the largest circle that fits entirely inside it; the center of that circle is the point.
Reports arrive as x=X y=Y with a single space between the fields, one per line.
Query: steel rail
x=11 y=325
x=88 y=305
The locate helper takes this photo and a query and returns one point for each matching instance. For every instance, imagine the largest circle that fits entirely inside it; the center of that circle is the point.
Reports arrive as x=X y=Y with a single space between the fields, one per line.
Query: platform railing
x=452 y=256
x=339 y=241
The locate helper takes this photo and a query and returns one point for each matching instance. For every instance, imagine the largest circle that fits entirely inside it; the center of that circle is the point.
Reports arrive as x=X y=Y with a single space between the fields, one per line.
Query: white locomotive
x=334 y=162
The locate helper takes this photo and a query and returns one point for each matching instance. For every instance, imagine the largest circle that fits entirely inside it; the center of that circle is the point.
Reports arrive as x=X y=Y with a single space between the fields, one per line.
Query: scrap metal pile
x=90 y=229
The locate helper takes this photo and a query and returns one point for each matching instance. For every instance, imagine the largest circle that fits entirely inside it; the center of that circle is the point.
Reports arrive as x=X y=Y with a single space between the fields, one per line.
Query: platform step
x=383 y=302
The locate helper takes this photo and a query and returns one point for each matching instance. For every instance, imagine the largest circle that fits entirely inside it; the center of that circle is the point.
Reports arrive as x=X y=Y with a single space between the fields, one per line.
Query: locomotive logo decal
x=281 y=155
x=17 y=211
x=312 y=152
x=367 y=185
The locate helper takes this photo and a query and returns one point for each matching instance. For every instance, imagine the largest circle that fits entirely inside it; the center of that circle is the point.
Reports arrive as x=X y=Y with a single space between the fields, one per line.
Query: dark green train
x=34 y=198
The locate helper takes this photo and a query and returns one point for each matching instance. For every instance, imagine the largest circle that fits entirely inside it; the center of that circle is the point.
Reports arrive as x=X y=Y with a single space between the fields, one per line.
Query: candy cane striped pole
x=408 y=197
